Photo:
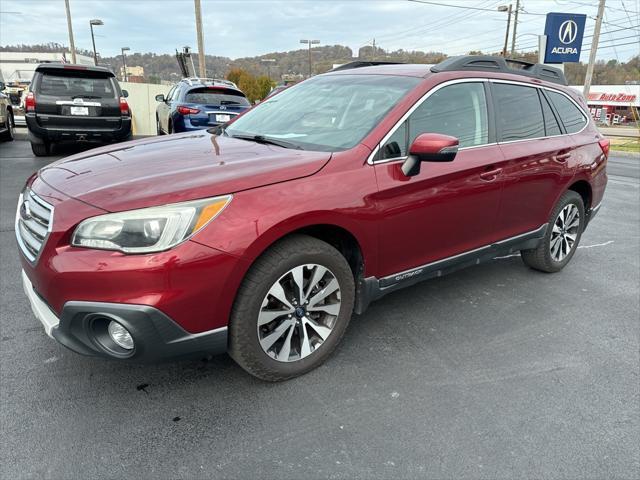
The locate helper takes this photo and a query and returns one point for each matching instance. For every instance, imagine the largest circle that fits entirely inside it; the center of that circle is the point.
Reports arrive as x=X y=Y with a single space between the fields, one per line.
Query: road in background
x=496 y=371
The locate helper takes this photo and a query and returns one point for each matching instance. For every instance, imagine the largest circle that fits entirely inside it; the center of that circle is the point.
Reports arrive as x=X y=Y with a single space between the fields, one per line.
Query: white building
x=613 y=104
x=19 y=66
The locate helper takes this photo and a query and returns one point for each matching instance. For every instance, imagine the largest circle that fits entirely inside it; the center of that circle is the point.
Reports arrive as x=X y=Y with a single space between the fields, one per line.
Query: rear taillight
x=605 y=144
x=30 y=102
x=182 y=110
x=124 y=107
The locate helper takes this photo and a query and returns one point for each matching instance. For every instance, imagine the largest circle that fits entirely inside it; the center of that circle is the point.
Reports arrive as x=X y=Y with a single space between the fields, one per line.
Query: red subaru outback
x=262 y=239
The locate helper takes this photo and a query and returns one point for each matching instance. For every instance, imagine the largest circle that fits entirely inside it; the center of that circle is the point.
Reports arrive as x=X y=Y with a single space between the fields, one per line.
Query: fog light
x=120 y=335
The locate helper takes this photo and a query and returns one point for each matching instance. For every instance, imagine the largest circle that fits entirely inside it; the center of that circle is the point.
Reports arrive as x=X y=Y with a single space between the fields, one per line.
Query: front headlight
x=149 y=229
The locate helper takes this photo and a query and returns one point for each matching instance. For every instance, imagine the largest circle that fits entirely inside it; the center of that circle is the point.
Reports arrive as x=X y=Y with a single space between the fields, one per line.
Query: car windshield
x=325 y=113
x=77 y=87
x=216 y=96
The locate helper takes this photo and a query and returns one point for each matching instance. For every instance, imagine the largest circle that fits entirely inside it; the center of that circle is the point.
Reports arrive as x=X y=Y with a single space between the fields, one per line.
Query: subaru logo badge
x=222 y=107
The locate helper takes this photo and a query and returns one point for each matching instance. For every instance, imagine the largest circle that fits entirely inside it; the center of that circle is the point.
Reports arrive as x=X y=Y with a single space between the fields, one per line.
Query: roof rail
x=362 y=63
x=488 y=63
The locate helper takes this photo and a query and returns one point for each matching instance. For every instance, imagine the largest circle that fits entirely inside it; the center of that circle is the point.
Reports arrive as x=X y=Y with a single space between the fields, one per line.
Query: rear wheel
x=10 y=126
x=41 y=149
x=560 y=242
x=292 y=309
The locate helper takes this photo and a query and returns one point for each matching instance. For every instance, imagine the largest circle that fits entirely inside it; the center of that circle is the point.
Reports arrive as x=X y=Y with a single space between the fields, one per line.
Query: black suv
x=71 y=103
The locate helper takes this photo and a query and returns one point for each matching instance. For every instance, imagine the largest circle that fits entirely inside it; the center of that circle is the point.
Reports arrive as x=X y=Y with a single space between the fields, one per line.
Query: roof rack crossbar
x=500 y=64
x=363 y=63
x=194 y=80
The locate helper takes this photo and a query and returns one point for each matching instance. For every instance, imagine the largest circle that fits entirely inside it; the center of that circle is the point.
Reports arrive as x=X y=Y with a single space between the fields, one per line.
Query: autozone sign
x=611 y=97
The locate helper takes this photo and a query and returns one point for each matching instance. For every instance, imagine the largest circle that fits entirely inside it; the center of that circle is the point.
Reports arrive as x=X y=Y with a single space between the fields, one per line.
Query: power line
x=456 y=17
x=438 y=4
x=614 y=24
x=619 y=45
x=448 y=19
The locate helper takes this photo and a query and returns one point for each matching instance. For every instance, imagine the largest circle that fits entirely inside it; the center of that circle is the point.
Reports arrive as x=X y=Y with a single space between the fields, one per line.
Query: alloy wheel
x=298 y=312
x=564 y=232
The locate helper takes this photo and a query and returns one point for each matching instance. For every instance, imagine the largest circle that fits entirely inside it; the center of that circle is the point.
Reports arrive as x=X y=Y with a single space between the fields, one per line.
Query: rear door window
x=551 y=125
x=61 y=85
x=570 y=115
x=216 y=96
x=518 y=112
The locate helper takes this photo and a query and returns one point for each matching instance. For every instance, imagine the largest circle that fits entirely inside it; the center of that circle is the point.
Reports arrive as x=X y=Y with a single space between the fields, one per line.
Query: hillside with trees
x=163 y=67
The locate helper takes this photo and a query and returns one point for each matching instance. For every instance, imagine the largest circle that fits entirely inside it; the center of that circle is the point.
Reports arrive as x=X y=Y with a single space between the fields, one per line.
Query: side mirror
x=429 y=147
x=125 y=94
x=160 y=98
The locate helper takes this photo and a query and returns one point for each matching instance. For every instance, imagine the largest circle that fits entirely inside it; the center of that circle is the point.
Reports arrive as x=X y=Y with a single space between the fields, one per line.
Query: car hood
x=175 y=168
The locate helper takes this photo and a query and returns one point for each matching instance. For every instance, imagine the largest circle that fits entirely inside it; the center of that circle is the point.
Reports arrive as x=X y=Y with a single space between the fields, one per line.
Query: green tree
x=264 y=86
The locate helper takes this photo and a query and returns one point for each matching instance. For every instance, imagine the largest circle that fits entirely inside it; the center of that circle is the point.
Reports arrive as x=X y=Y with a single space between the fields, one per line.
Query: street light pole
x=124 y=63
x=93 y=22
x=310 y=42
x=72 y=45
x=504 y=8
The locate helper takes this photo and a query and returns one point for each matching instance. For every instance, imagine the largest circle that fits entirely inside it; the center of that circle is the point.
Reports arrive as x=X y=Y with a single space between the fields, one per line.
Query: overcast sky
x=246 y=28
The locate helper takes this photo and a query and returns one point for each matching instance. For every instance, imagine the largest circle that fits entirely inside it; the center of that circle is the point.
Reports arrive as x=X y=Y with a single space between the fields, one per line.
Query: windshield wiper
x=268 y=140
x=229 y=102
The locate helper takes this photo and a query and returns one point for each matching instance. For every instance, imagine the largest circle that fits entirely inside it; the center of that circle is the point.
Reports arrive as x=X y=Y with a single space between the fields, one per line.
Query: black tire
x=41 y=149
x=158 y=128
x=169 y=128
x=244 y=344
x=541 y=258
x=8 y=135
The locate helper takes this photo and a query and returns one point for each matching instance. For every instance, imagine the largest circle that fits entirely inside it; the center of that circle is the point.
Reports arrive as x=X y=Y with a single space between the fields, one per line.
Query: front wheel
x=292 y=309
x=566 y=224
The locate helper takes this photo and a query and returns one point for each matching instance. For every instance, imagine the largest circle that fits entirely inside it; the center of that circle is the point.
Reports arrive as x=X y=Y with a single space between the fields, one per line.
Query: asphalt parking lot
x=493 y=372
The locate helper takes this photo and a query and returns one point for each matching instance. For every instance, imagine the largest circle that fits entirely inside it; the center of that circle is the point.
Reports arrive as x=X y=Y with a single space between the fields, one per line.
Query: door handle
x=562 y=157
x=490 y=174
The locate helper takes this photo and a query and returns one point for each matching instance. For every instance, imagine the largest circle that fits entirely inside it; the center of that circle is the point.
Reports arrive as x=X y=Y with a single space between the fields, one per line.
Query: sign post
x=564 y=32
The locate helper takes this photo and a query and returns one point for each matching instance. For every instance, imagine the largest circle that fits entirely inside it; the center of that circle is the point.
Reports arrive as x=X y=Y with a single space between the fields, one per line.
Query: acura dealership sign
x=564 y=33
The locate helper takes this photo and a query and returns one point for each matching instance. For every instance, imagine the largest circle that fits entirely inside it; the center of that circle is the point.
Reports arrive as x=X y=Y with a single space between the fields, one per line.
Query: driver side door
x=448 y=208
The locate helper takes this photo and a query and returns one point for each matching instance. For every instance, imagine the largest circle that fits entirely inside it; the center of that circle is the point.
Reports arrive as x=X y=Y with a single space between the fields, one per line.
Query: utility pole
x=201 y=59
x=504 y=8
x=515 y=29
x=373 y=55
x=310 y=42
x=594 y=50
x=72 y=45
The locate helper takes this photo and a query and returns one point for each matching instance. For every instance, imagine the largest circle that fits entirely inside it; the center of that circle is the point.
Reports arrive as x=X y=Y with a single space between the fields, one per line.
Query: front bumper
x=82 y=327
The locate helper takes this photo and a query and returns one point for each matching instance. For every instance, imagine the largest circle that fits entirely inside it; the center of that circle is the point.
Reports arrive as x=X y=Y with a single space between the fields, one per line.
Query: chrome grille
x=33 y=224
